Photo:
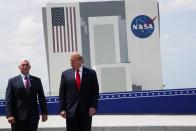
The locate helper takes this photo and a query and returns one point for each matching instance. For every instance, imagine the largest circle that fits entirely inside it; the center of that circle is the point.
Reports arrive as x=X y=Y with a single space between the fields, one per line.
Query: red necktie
x=78 y=79
x=26 y=83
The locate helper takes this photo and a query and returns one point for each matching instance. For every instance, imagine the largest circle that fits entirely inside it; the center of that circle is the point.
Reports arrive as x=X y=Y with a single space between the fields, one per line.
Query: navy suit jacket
x=70 y=98
x=21 y=103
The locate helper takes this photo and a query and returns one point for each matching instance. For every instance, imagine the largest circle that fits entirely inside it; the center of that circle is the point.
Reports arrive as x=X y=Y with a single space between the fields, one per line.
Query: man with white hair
x=22 y=95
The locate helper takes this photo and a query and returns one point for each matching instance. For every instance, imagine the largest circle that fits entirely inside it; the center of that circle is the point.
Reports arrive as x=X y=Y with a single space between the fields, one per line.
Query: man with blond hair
x=78 y=95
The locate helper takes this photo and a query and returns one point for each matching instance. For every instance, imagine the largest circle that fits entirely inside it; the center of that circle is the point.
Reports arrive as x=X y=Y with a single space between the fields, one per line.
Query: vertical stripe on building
x=67 y=16
x=75 y=28
x=71 y=29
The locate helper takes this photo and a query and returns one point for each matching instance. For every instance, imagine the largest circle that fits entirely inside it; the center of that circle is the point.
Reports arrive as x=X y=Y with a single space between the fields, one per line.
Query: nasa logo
x=142 y=26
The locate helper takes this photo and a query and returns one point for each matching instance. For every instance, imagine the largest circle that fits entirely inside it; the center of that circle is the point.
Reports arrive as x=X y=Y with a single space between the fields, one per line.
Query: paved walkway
x=55 y=121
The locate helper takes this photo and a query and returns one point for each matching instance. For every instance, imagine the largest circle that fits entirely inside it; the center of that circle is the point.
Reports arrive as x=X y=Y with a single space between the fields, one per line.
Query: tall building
x=119 y=39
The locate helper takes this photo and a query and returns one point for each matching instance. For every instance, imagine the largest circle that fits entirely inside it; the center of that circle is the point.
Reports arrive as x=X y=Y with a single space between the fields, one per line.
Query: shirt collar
x=23 y=76
x=81 y=68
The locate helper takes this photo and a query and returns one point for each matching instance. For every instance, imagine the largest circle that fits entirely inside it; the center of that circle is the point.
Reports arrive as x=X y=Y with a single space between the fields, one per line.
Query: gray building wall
x=94 y=9
x=123 y=41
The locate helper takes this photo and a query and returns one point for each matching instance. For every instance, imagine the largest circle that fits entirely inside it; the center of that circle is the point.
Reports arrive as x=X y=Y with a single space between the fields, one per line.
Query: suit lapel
x=31 y=82
x=72 y=78
x=20 y=81
x=84 y=75
x=21 y=84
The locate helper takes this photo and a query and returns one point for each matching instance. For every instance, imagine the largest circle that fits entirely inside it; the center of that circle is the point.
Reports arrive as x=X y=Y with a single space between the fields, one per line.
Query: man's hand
x=44 y=118
x=92 y=111
x=63 y=114
x=11 y=120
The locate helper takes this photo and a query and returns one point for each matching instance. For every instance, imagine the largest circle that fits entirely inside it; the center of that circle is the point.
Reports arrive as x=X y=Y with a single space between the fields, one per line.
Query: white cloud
x=27 y=31
x=22 y=37
x=179 y=60
x=27 y=39
x=171 y=44
x=169 y=6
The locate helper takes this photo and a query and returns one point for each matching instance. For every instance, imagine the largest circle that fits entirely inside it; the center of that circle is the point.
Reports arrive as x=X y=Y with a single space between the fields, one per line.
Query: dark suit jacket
x=71 y=99
x=21 y=103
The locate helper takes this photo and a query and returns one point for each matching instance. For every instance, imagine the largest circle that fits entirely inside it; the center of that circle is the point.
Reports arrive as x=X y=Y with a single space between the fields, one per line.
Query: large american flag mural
x=64 y=29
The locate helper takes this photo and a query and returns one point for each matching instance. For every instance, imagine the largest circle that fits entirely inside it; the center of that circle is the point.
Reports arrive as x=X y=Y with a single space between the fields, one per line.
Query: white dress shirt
x=80 y=72
x=23 y=79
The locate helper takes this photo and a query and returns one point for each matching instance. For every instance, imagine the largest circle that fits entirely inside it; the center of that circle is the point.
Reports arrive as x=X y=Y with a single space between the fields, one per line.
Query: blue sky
x=178 y=42
x=22 y=37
